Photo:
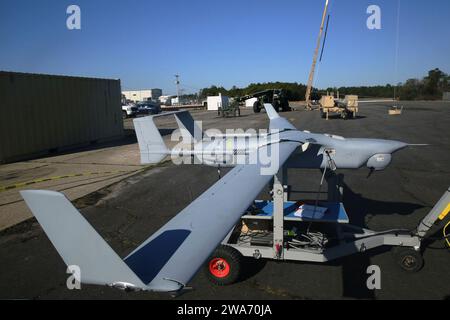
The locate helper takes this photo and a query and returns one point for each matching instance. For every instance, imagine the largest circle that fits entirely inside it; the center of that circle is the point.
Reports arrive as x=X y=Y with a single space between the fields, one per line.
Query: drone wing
x=170 y=257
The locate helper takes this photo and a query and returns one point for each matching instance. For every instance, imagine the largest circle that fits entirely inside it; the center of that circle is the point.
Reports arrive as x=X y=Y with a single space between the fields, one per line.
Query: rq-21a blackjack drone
x=238 y=226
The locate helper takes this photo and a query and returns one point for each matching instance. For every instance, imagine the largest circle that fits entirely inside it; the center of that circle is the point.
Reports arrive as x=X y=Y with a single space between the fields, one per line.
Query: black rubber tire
x=323 y=115
x=409 y=259
x=234 y=260
x=257 y=107
x=124 y=115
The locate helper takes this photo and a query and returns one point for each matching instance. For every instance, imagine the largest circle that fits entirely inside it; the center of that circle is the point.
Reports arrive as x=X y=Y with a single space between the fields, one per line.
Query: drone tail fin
x=188 y=127
x=77 y=242
x=80 y=246
x=151 y=144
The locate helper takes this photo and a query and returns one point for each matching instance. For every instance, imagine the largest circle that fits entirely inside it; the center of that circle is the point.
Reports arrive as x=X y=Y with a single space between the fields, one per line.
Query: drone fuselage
x=319 y=151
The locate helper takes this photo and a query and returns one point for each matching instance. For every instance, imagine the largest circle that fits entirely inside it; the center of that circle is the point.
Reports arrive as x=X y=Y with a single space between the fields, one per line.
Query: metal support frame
x=353 y=239
x=278 y=215
x=439 y=212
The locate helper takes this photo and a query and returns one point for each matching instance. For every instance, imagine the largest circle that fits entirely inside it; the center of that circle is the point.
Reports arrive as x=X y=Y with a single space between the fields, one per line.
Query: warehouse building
x=46 y=113
x=143 y=95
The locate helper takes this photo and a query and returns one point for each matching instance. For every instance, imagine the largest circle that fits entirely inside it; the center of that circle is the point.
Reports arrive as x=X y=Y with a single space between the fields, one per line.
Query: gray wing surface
x=192 y=235
x=201 y=226
x=170 y=257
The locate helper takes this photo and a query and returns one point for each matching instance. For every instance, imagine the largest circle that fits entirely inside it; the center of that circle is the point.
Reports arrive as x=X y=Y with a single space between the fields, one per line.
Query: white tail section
x=271 y=112
x=151 y=143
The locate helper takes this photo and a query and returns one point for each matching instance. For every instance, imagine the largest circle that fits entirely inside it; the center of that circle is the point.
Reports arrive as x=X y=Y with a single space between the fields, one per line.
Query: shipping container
x=45 y=113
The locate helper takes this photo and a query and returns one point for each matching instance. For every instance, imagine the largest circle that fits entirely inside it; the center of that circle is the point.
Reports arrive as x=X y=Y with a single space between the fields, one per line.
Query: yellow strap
x=445 y=212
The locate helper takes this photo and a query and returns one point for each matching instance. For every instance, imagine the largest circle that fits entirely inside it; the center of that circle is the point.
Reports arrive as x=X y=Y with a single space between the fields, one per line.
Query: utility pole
x=316 y=53
x=177 y=82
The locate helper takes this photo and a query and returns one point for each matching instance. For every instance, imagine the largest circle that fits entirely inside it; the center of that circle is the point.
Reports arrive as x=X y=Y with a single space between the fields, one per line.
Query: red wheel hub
x=219 y=267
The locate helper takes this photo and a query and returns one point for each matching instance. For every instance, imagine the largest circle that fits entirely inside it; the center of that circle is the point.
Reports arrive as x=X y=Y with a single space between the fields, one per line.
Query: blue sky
x=233 y=42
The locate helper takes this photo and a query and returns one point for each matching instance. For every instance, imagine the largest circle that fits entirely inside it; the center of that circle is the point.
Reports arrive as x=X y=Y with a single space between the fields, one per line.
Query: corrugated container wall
x=40 y=113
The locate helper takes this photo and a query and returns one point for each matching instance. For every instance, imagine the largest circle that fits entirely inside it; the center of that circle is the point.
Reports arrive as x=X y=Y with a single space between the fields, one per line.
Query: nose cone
x=384 y=150
x=389 y=146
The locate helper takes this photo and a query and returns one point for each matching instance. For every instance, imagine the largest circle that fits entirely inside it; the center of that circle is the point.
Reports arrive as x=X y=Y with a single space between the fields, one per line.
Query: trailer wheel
x=224 y=266
x=409 y=259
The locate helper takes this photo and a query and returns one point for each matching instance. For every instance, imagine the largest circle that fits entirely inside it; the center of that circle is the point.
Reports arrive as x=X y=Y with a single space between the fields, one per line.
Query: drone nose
x=383 y=158
x=393 y=146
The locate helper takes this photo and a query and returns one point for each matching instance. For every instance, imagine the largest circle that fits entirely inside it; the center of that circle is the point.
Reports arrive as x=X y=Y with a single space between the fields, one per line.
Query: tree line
x=294 y=91
x=431 y=87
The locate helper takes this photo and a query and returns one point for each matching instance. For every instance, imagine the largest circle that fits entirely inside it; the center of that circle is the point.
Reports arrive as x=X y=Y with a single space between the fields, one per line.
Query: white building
x=165 y=100
x=143 y=95
x=177 y=101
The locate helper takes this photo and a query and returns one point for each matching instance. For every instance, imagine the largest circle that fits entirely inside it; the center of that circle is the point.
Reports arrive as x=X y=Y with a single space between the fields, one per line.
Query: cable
x=324 y=39
x=316 y=77
x=316 y=204
x=446 y=236
x=248 y=236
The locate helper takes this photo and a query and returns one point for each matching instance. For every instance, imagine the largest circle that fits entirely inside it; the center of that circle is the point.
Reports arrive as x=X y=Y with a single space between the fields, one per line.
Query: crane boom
x=316 y=53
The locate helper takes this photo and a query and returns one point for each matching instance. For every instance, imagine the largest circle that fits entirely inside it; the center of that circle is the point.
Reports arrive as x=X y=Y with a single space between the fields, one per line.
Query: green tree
x=430 y=87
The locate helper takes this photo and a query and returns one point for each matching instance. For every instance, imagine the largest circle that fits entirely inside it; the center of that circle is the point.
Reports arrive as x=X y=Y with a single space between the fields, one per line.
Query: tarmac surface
x=78 y=173
x=128 y=212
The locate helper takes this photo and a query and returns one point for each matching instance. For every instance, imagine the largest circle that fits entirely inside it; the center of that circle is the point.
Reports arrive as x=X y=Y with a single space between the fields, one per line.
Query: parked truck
x=277 y=97
x=346 y=108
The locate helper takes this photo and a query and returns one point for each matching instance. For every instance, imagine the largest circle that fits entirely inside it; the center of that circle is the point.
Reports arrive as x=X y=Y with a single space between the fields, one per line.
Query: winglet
x=77 y=242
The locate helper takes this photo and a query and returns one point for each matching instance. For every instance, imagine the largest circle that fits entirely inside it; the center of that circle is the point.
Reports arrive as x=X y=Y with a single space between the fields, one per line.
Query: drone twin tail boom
x=168 y=260
x=319 y=151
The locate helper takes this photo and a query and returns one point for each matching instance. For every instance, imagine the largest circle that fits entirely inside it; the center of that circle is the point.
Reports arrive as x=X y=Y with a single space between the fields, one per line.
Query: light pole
x=177 y=82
